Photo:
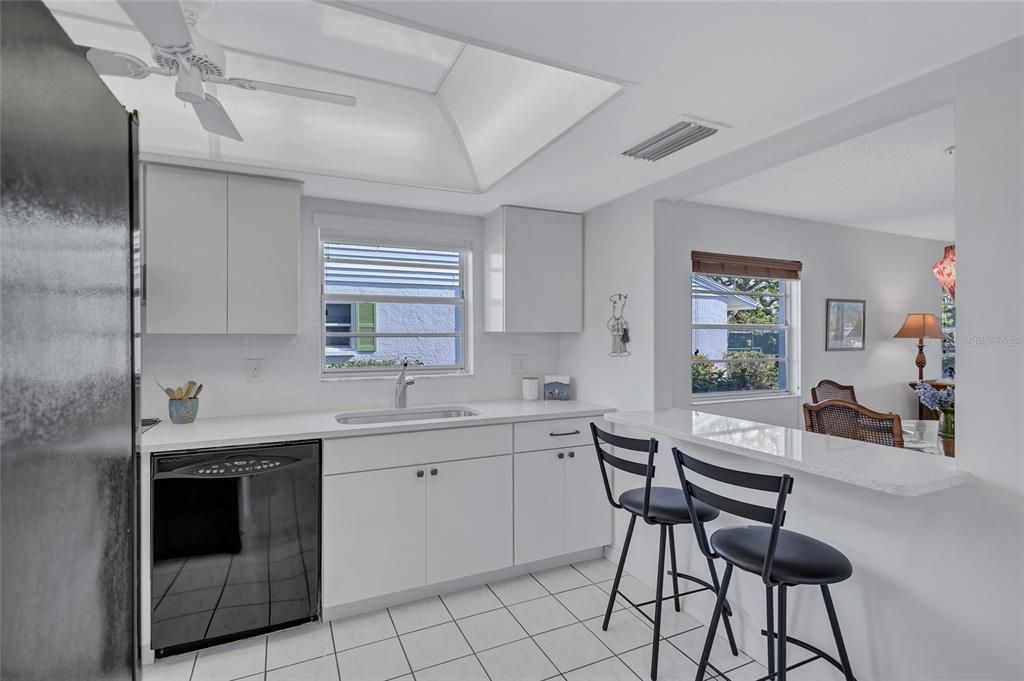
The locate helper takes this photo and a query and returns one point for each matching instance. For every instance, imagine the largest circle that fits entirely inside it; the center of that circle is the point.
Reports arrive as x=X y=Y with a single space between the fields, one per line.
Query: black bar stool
x=662 y=506
x=782 y=558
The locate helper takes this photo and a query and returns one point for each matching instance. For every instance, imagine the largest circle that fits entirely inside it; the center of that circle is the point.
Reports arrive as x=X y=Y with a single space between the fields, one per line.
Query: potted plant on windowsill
x=943 y=401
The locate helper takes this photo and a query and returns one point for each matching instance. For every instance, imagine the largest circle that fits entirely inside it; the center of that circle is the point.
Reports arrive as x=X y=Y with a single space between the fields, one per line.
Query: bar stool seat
x=799 y=559
x=667 y=505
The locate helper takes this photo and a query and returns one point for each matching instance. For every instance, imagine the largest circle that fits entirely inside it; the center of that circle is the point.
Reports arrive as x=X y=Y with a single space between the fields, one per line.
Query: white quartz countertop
x=900 y=472
x=244 y=430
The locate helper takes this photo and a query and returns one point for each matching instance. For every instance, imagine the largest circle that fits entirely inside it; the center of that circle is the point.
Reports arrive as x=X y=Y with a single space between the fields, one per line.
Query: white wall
x=292 y=363
x=891 y=272
x=618 y=242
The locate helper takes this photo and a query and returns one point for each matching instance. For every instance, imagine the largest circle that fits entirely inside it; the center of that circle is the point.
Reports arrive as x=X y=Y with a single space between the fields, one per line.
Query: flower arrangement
x=936 y=399
x=945 y=401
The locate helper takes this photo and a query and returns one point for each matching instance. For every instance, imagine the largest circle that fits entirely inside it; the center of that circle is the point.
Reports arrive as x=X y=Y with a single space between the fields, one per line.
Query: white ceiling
x=761 y=68
x=896 y=179
x=431 y=111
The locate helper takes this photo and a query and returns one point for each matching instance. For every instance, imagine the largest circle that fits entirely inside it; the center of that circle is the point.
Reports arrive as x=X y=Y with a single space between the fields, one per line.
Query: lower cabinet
x=390 y=530
x=469 y=517
x=560 y=504
x=374 y=533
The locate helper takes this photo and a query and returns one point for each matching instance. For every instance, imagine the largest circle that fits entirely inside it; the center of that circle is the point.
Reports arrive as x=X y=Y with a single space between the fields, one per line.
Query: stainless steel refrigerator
x=68 y=435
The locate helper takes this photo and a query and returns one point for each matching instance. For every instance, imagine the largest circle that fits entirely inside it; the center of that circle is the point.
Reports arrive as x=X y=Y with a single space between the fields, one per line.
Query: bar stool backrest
x=781 y=485
x=604 y=457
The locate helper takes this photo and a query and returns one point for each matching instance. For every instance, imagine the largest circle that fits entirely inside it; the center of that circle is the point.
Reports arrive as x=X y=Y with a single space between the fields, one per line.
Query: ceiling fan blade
x=291 y=91
x=215 y=119
x=109 y=63
x=161 y=22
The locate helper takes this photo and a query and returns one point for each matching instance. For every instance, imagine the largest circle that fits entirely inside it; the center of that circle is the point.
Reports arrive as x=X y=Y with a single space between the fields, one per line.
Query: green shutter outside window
x=366 y=322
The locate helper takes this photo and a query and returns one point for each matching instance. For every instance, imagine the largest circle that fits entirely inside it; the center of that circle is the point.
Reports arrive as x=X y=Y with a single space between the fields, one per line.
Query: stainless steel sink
x=400 y=415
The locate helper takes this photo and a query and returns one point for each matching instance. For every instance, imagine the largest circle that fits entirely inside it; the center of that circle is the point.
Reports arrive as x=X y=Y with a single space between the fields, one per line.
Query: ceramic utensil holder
x=183 y=411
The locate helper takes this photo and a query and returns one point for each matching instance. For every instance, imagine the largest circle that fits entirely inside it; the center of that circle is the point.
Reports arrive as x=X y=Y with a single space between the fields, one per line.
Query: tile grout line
x=534 y=641
x=400 y=645
x=334 y=647
x=463 y=634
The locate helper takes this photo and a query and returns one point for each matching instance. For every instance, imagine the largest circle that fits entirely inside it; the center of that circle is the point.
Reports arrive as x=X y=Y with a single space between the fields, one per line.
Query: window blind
x=744 y=266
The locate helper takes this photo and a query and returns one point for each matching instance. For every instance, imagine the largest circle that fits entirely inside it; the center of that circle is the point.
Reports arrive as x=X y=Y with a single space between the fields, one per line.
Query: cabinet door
x=543 y=270
x=374 y=539
x=263 y=255
x=539 y=506
x=469 y=517
x=588 y=520
x=186 y=250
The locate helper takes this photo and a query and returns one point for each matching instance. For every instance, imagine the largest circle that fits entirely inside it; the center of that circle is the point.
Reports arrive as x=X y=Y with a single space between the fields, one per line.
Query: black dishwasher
x=236 y=543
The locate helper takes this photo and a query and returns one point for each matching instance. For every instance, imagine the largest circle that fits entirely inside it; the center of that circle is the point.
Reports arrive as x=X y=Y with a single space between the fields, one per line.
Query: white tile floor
x=531 y=628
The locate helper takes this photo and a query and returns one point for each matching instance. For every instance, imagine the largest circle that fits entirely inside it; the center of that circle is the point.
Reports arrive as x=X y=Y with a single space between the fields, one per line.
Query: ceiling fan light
x=189 y=86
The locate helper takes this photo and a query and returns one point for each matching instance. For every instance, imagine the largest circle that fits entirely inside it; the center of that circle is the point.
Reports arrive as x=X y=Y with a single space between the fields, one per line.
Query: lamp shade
x=920 y=325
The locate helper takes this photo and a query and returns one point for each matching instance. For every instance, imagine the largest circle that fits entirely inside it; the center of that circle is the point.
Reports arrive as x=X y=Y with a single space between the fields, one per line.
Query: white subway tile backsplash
x=291 y=380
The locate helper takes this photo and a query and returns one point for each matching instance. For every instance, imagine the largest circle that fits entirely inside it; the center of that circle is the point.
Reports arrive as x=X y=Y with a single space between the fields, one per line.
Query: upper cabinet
x=533 y=271
x=221 y=252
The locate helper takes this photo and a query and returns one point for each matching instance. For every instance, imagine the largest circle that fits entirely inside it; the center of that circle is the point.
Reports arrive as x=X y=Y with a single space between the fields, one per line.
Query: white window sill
x=331 y=378
x=725 y=399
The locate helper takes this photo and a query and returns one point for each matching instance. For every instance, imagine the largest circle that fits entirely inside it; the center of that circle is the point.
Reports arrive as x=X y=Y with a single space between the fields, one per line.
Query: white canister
x=531 y=388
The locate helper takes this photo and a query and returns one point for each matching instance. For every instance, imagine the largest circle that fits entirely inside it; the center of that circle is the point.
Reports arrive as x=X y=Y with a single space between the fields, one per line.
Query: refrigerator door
x=67 y=466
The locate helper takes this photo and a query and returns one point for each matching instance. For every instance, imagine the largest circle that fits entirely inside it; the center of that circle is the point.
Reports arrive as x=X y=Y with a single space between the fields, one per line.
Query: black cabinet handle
x=571 y=432
x=419 y=474
x=433 y=471
x=572 y=455
x=561 y=455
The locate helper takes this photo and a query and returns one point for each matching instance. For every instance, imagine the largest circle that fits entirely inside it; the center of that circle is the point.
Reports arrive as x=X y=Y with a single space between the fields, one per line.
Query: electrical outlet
x=517 y=364
x=254 y=371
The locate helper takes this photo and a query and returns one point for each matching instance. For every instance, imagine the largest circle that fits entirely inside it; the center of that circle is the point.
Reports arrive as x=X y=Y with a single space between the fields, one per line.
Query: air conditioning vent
x=670 y=141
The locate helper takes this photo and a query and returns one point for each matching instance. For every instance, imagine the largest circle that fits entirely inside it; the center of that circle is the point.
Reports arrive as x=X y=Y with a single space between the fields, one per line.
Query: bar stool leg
x=675 y=575
x=834 y=621
x=727 y=612
x=713 y=626
x=657 y=603
x=770 y=608
x=782 y=633
x=618 y=572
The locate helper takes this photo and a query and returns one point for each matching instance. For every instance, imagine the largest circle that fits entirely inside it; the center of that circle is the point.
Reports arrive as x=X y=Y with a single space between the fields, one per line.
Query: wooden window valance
x=744 y=266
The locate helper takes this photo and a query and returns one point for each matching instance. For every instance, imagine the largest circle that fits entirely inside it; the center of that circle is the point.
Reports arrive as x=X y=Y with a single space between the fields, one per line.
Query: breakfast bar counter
x=901 y=472
x=911 y=523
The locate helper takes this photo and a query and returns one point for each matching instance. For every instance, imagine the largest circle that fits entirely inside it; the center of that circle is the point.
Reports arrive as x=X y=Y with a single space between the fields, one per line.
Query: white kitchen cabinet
x=186 y=244
x=469 y=517
x=588 y=520
x=374 y=533
x=533 y=271
x=221 y=252
x=389 y=530
x=560 y=504
x=263 y=255
x=539 y=506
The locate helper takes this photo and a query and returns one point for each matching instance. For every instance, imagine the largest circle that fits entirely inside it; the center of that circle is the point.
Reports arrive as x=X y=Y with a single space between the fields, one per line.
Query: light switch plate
x=517 y=364
x=254 y=370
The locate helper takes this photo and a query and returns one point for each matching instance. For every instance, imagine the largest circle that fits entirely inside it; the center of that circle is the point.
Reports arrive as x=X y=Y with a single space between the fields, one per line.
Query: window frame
x=790 y=328
x=464 y=302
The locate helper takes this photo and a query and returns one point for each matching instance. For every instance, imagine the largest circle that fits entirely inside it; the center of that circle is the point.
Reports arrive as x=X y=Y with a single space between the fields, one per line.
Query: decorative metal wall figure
x=618 y=326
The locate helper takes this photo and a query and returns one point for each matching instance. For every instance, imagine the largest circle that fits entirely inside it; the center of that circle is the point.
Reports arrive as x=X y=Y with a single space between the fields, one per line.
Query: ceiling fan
x=179 y=50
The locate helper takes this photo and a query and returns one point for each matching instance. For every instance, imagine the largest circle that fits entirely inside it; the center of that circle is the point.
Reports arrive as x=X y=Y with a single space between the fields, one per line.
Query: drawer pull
x=572 y=455
x=570 y=432
x=433 y=471
x=561 y=455
x=419 y=474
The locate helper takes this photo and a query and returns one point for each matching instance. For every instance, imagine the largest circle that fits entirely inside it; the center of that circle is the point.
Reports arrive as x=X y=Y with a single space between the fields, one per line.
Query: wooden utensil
x=189 y=387
x=198 y=390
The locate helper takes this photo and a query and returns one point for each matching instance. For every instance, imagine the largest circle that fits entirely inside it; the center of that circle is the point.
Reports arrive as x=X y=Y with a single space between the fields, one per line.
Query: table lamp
x=920 y=325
